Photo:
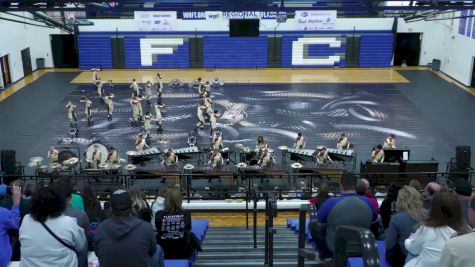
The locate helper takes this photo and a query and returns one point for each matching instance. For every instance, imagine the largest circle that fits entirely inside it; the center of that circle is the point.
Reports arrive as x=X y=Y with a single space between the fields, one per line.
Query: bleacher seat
x=168 y=263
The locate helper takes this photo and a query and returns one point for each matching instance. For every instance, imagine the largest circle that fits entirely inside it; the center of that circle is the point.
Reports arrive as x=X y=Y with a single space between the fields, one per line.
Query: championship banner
x=155 y=20
x=311 y=20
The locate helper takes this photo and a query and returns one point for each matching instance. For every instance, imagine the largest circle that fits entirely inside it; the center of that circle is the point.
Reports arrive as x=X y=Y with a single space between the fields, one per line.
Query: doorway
x=407 y=50
x=473 y=72
x=26 y=60
x=5 y=71
x=64 y=51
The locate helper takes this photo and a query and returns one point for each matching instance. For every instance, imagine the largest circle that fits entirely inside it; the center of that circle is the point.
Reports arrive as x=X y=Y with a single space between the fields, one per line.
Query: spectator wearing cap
x=47 y=236
x=347 y=209
x=124 y=240
x=464 y=190
x=9 y=219
x=460 y=251
x=431 y=189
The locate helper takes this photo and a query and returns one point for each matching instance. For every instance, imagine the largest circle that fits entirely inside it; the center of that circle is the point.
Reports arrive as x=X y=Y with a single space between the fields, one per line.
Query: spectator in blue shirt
x=9 y=219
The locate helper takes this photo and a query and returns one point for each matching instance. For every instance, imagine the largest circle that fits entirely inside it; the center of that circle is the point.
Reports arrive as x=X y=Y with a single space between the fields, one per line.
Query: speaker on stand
x=459 y=168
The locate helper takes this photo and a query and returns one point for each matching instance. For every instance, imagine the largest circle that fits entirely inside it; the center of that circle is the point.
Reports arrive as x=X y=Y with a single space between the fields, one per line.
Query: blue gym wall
x=221 y=51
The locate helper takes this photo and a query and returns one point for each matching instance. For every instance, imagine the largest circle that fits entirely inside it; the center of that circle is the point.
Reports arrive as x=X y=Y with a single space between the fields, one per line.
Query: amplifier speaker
x=8 y=158
x=462 y=157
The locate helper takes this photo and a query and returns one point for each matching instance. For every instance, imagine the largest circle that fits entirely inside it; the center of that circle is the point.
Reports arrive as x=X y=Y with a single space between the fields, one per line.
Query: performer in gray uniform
x=139 y=106
x=71 y=114
x=213 y=118
x=216 y=159
x=135 y=88
x=110 y=105
x=390 y=142
x=158 y=113
x=147 y=123
x=200 y=114
x=377 y=156
x=322 y=156
x=170 y=158
x=159 y=83
x=299 y=142
x=87 y=110
x=342 y=142
x=148 y=94
x=135 y=109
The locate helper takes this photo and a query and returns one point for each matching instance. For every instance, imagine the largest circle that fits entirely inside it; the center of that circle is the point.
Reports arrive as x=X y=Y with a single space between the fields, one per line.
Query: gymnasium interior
x=249 y=109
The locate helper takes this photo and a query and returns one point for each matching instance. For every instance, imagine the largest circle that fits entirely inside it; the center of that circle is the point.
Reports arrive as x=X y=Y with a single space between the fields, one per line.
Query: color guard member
x=110 y=105
x=140 y=143
x=390 y=142
x=299 y=142
x=377 y=156
x=71 y=114
x=216 y=159
x=170 y=158
x=342 y=142
x=53 y=154
x=322 y=156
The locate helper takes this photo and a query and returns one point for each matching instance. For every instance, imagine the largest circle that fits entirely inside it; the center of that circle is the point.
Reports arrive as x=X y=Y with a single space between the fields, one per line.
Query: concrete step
x=257 y=255
x=231 y=242
x=252 y=263
x=248 y=248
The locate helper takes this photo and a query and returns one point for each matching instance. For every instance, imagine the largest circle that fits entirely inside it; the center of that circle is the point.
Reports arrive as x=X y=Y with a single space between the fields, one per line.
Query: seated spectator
x=402 y=224
x=460 y=251
x=365 y=191
x=388 y=206
x=139 y=203
x=25 y=201
x=92 y=205
x=431 y=189
x=47 y=236
x=347 y=209
x=158 y=204
x=76 y=198
x=323 y=195
x=174 y=227
x=65 y=190
x=416 y=184
x=444 y=221
x=464 y=190
x=9 y=220
x=124 y=240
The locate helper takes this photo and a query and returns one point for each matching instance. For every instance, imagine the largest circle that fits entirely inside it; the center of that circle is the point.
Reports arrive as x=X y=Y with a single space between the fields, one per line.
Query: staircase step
x=252 y=263
x=245 y=249
x=257 y=255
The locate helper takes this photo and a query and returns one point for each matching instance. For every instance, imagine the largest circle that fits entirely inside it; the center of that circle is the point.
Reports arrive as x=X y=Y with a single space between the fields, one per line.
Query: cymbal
x=32 y=164
x=188 y=167
x=241 y=165
x=320 y=147
x=131 y=153
x=238 y=145
x=55 y=166
x=163 y=142
x=130 y=167
x=103 y=166
x=283 y=148
x=73 y=161
x=270 y=150
x=116 y=166
x=122 y=160
x=36 y=159
x=296 y=165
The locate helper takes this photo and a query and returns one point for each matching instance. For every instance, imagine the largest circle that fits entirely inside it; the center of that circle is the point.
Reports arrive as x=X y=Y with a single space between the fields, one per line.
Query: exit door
x=26 y=60
x=5 y=71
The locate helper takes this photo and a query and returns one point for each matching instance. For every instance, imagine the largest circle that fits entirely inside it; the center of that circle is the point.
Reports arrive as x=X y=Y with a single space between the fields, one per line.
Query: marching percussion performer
x=135 y=88
x=110 y=86
x=140 y=143
x=148 y=94
x=390 y=142
x=94 y=75
x=261 y=143
x=208 y=103
x=322 y=156
x=191 y=139
x=216 y=159
x=71 y=114
x=342 y=142
x=53 y=154
x=135 y=109
x=87 y=110
x=170 y=158
x=100 y=90
x=206 y=88
x=200 y=114
x=200 y=86
x=110 y=105
x=112 y=157
x=158 y=82
x=147 y=123
x=265 y=159
x=377 y=156
x=139 y=106
x=213 y=118
x=96 y=157
x=217 y=141
x=158 y=113
x=299 y=142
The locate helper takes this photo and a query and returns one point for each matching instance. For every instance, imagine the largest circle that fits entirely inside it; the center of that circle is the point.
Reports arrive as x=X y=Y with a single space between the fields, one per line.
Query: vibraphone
x=346 y=156
x=190 y=154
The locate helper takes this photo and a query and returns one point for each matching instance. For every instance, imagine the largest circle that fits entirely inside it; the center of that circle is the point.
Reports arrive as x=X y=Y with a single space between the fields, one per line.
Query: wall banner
x=311 y=20
x=155 y=20
x=225 y=15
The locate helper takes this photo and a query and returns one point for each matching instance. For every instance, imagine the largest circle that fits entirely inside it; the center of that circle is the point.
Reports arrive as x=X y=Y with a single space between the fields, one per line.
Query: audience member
x=139 y=204
x=9 y=220
x=124 y=240
x=388 y=206
x=92 y=205
x=416 y=184
x=76 y=198
x=158 y=204
x=444 y=220
x=460 y=250
x=368 y=194
x=431 y=189
x=174 y=227
x=47 y=236
x=323 y=195
x=357 y=211
x=25 y=201
x=402 y=224
x=65 y=190
x=464 y=190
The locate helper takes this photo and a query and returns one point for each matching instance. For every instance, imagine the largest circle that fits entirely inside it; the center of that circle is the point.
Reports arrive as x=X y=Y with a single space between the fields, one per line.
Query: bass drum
x=65 y=155
x=101 y=147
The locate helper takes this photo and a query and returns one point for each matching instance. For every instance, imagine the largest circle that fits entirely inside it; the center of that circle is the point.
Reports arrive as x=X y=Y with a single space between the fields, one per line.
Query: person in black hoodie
x=124 y=240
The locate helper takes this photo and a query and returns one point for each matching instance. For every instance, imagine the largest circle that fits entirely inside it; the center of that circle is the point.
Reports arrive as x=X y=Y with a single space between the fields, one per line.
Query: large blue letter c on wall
x=300 y=56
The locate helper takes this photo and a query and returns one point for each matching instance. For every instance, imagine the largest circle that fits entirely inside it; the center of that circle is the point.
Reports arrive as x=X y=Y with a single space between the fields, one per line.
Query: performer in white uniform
x=158 y=113
x=135 y=109
x=206 y=88
x=87 y=110
x=110 y=105
x=135 y=88
x=159 y=83
x=139 y=106
x=148 y=94
x=216 y=159
x=299 y=142
x=390 y=142
x=217 y=141
x=200 y=114
x=147 y=125
x=377 y=156
x=53 y=154
x=265 y=159
x=141 y=143
x=112 y=157
x=71 y=114
x=200 y=87
x=342 y=142
x=261 y=143
x=209 y=104
x=213 y=118
x=322 y=156
x=100 y=90
x=96 y=157
x=170 y=158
